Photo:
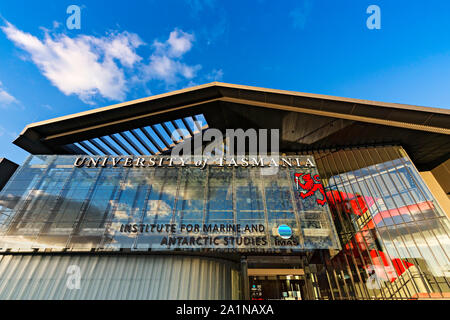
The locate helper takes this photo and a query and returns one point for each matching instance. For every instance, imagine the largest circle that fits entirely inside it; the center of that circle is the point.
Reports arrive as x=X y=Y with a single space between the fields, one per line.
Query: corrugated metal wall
x=117 y=277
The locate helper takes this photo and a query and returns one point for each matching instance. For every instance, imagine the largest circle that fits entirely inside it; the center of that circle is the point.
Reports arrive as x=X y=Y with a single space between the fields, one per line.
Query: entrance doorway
x=279 y=284
x=281 y=278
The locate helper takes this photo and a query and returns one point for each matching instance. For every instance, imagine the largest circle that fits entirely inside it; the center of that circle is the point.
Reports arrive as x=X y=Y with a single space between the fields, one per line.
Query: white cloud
x=165 y=63
x=85 y=65
x=107 y=67
x=179 y=43
x=5 y=97
x=215 y=75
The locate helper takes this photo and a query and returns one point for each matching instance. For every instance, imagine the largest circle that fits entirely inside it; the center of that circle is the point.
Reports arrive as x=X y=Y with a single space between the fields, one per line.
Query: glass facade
x=50 y=203
x=395 y=237
x=380 y=234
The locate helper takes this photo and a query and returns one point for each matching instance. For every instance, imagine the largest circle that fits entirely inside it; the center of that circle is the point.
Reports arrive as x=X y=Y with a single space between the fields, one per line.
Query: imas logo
x=310 y=185
x=285 y=233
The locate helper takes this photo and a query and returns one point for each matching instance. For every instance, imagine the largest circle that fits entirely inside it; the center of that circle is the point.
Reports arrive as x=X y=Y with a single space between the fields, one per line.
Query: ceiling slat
x=179 y=131
x=198 y=123
x=133 y=145
x=116 y=140
x=167 y=130
x=149 y=137
x=74 y=149
x=150 y=140
x=88 y=148
x=155 y=129
x=187 y=126
x=141 y=141
x=98 y=146
x=109 y=145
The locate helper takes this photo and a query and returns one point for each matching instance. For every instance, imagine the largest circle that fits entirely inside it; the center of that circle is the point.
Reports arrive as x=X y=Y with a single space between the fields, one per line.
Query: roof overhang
x=307 y=121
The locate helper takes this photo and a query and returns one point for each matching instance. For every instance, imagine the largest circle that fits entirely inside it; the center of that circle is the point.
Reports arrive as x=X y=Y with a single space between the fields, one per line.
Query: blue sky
x=128 y=50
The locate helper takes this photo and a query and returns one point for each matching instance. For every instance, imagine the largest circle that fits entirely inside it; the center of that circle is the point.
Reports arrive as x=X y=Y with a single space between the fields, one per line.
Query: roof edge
x=242 y=87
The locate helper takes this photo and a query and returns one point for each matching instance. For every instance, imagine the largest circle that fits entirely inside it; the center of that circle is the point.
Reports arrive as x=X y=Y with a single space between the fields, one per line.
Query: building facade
x=354 y=205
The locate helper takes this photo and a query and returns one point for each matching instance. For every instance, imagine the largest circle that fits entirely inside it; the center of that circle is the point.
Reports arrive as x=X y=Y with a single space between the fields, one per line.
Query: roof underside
x=306 y=122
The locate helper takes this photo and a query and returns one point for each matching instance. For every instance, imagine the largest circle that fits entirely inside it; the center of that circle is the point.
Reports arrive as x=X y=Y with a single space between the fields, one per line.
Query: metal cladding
x=115 y=277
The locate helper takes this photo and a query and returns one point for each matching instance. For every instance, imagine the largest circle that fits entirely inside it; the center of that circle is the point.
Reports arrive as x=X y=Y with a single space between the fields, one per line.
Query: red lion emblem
x=310 y=186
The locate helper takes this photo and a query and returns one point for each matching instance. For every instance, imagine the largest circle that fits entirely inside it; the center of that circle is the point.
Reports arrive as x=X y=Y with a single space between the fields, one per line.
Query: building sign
x=162 y=203
x=206 y=235
x=311 y=185
x=166 y=236
x=149 y=162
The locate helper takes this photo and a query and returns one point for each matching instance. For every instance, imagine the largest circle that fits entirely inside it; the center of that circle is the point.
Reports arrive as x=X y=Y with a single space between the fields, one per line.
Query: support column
x=244 y=273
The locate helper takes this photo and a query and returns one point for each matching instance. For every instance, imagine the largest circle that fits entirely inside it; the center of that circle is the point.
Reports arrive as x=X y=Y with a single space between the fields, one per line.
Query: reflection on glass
x=394 y=235
x=110 y=208
x=380 y=233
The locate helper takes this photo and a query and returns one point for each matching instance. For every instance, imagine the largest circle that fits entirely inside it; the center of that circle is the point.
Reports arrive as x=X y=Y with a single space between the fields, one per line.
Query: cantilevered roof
x=307 y=121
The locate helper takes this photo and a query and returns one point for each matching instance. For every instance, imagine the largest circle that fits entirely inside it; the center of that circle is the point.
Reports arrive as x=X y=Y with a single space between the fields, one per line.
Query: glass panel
x=365 y=213
x=388 y=222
